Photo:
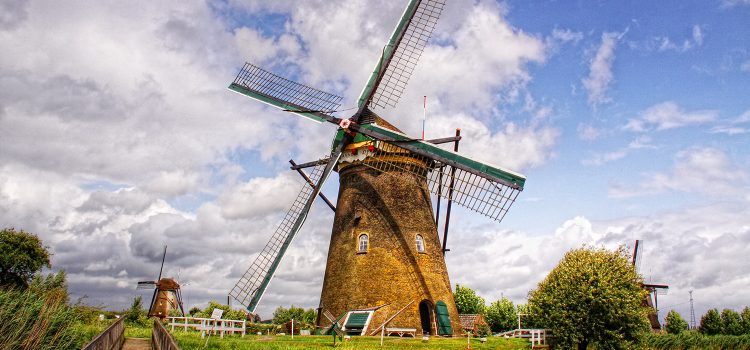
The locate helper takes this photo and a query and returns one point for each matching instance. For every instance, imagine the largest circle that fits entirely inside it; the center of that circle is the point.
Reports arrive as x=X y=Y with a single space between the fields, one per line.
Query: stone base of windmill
x=385 y=256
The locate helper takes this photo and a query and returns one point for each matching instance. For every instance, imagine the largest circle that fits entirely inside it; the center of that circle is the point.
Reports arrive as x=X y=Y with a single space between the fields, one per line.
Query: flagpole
x=424 y=115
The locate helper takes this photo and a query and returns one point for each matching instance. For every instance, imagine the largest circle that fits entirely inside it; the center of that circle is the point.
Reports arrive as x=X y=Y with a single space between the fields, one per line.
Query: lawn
x=192 y=340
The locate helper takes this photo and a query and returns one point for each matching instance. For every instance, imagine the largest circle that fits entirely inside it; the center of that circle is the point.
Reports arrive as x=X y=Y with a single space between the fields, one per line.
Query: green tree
x=675 y=323
x=501 y=315
x=229 y=313
x=22 y=256
x=304 y=316
x=711 y=323
x=135 y=313
x=467 y=301
x=593 y=296
x=745 y=315
x=731 y=323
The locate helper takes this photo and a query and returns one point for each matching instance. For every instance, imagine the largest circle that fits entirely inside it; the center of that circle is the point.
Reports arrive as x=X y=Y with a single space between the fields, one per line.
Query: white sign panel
x=216 y=314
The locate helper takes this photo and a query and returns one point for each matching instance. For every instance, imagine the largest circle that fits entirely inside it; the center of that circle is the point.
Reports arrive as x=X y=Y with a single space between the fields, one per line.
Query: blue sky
x=630 y=120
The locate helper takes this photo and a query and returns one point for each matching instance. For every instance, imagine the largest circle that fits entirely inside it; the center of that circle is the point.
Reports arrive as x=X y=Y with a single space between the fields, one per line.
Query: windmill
x=651 y=300
x=384 y=248
x=167 y=295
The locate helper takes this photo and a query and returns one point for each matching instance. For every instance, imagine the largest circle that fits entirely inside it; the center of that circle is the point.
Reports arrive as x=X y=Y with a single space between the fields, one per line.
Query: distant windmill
x=167 y=295
x=654 y=290
x=384 y=248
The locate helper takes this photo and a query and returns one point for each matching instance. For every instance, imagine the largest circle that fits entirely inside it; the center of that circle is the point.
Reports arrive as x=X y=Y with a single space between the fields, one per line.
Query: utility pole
x=692 y=312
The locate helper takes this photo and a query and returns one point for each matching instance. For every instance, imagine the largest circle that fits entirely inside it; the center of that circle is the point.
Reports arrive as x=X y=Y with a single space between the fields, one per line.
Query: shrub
x=711 y=323
x=693 y=340
x=592 y=296
x=501 y=315
x=467 y=301
x=675 y=323
x=229 y=313
x=731 y=324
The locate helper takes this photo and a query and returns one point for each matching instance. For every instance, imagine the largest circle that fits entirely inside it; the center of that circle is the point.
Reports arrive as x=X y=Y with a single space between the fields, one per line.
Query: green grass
x=138 y=331
x=192 y=340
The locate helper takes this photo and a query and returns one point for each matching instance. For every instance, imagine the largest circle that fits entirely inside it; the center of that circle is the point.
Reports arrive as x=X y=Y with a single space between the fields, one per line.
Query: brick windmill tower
x=385 y=262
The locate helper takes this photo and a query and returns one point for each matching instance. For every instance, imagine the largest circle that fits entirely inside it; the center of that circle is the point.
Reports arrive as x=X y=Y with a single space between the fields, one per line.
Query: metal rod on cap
x=450 y=195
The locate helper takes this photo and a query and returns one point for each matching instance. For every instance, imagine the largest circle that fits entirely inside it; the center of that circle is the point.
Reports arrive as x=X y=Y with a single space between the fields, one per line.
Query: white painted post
x=382 y=334
x=292 y=329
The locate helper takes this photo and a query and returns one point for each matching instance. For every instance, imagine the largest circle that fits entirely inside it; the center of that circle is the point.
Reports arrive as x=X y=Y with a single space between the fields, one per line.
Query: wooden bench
x=401 y=331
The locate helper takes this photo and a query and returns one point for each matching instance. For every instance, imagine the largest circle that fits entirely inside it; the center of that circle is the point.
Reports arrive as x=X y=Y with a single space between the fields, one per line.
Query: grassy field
x=192 y=340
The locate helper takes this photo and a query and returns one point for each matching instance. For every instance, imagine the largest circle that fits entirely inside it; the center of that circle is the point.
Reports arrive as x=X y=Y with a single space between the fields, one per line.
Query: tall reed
x=37 y=320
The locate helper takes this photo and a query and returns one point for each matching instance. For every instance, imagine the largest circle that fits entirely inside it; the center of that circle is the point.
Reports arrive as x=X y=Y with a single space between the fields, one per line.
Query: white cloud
x=115 y=117
x=733 y=3
x=668 y=115
x=566 y=35
x=687 y=249
x=589 y=133
x=745 y=66
x=735 y=126
x=695 y=40
x=600 y=69
x=697 y=170
x=641 y=142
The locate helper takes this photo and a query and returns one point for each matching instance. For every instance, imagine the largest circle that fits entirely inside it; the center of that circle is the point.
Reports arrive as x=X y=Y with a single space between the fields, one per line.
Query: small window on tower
x=364 y=242
x=420 y=243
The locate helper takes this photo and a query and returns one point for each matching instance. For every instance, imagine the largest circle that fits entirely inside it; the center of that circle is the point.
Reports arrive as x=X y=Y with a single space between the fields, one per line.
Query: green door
x=444 y=320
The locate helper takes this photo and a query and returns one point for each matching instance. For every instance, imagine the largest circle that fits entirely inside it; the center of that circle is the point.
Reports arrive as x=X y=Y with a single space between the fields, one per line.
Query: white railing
x=208 y=325
x=535 y=336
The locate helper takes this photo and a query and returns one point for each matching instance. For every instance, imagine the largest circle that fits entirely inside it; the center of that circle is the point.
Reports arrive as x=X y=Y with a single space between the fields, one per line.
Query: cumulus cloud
x=696 y=170
x=113 y=121
x=600 y=69
x=688 y=263
x=668 y=115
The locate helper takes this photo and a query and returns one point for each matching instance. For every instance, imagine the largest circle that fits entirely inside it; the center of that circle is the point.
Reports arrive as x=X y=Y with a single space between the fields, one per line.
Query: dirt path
x=137 y=344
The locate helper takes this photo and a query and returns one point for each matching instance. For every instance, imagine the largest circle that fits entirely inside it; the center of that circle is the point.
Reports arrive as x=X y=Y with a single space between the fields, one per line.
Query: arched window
x=420 y=243
x=364 y=242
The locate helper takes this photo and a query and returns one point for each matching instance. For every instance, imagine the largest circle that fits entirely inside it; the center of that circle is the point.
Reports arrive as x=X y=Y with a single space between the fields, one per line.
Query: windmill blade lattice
x=249 y=289
x=472 y=190
x=409 y=48
x=285 y=93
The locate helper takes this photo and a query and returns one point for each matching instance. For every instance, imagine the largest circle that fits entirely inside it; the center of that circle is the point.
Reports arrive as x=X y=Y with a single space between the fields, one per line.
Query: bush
x=711 y=323
x=254 y=328
x=693 y=340
x=731 y=324
x=501 y=315
x=467 y=301
x=303 y=318
x=593 y=296
x=229 y=313
x=745 y=315
x=675 y=323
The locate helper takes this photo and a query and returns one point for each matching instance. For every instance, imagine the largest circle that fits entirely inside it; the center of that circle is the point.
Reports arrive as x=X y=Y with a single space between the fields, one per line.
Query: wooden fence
x=161 y=339
x=110 y=339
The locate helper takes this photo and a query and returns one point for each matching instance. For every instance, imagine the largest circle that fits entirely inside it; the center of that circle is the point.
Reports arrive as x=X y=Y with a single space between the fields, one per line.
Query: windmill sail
x=401 y=54
x=283 y=93
x=478 y=186
x=146 y=285
x=251 y=286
